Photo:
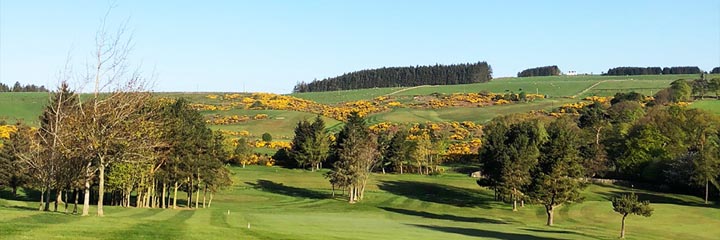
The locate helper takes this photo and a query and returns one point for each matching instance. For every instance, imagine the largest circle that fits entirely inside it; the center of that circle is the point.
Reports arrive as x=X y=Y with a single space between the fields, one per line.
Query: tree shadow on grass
x=481 y=233
x=25 y=194
x=443 y=216
x=279 y=188
x=659 y=198
x=557 y=232
x=437 y=193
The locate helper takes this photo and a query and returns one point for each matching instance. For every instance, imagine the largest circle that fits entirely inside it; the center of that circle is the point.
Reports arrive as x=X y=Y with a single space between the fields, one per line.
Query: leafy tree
x=680 y=91
x=356 y=151
x=398 y=151
x=714 y=86
x=629 y=204
x=555 y=180
x=13 y=168
x=267 y=137
x=242 y=152
x=540 y=71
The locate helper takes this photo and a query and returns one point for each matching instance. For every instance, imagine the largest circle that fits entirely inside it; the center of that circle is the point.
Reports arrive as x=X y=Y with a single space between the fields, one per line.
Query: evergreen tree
x=356 y=152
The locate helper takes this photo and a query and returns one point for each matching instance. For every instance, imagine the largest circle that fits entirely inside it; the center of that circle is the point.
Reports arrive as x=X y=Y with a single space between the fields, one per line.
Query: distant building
x=571 y=73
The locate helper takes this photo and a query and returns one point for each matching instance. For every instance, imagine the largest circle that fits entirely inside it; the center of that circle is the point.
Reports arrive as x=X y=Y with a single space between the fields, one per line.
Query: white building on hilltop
x=571 y=73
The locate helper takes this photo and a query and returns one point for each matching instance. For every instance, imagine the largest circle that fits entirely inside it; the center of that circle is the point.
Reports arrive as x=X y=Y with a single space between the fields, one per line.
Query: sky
x=269 y=46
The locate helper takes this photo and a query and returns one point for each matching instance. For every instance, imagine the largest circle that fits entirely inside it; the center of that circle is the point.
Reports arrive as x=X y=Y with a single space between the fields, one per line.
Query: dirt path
x=405 y=89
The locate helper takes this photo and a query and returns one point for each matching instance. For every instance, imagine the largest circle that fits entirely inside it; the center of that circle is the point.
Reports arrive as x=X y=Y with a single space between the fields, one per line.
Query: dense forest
x=621 y=71
x=715 y=70
x=402 y=77
x=540 y=71
x=17 y=87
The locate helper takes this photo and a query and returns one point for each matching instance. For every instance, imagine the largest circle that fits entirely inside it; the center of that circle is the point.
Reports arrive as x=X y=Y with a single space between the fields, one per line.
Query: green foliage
x=540 y=71
x=629 y=204
x=242 y=152
x=310 y=146
x=680 y=91
x=402 y=76
x=267 y=137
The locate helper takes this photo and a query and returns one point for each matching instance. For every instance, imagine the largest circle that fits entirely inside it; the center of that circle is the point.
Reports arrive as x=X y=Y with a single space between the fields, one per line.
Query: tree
x=310 y=146
x=555 y=180
x=680 y=91
x=266 y=137
x=356 y=152
x=629 y=204
x=13 y=168
x=242 y=152
x=398 y=151
x=714 y=86
x=703 y=132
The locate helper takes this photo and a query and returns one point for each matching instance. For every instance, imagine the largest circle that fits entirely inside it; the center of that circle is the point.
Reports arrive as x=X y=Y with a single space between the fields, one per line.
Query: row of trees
x=118 y=141
x=397 y=150
x=622 y=71
x=17 y=87
x=540 y=71
x=715 y=70
x=402 y=77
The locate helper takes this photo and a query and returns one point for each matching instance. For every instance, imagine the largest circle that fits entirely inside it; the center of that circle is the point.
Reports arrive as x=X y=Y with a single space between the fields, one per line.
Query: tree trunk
x=514 y=197
x=77 y=195
x=42 y=200
x=14 y=190
x=175 y=196
x=622 y=229
x=197 y=195
x=164 y=195
x=211 y=197
x=401 y=168
x=522 y=203
x=204 y=195
x=58 y=199
x=189 y=193
x=706 y=190
x=66 y=202
x=47 y=198
x=101 y=187
x=549 y=210
x=86 y=201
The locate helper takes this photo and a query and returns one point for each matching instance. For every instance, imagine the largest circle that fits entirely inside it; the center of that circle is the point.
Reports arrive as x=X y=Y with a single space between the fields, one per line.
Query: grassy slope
x=22 y=106
x=708 y=105
x=294 y=204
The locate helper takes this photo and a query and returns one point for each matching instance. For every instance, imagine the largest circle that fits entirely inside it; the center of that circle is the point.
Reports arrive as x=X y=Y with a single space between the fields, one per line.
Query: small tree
x=267 y=137
x=628 y=204
x=242 y=152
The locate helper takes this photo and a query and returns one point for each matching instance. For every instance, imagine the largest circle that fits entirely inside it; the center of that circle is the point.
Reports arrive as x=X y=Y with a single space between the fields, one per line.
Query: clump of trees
x=533 y=160
x=628 y=204
x=355 y=154
x=402 y=77
x=17 y=87
x=622 y=71
x=540 y=71
x=715 y=70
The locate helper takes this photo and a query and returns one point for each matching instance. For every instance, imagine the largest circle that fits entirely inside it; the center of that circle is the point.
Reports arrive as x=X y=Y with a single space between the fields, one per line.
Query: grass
x=345 y=96
x=459 y=114
x=280 y=123
x=709 y=105
x=25 y=107
x=294 y=204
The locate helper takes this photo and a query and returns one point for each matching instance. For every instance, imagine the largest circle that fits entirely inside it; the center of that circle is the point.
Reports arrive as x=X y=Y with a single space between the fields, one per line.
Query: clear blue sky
x=270 y=45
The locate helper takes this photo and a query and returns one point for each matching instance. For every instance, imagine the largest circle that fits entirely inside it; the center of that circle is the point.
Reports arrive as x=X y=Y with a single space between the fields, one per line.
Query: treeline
x=540 y=71
x=113 y=146
x=17 y=87
x=715 y=70
x=402 y=77
x=622 y=71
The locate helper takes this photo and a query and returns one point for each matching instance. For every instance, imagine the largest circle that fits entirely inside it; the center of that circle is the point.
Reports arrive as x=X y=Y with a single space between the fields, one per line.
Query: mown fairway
x=279 y=203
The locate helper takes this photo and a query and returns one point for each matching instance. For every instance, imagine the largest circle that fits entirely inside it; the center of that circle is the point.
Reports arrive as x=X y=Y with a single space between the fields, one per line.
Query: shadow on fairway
x=279 y=188
x=437 y=193
x=481 y=233
x=443 y=216
x=660 y=198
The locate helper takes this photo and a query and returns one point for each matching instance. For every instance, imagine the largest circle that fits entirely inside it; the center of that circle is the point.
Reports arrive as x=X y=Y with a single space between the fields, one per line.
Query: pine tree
x=628 y=204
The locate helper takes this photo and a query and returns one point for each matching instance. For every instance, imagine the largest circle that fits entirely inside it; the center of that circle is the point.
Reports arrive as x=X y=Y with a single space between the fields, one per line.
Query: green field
x=708 y=105
x=279 y=203
x=25 y=107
